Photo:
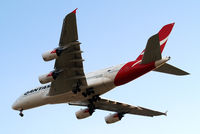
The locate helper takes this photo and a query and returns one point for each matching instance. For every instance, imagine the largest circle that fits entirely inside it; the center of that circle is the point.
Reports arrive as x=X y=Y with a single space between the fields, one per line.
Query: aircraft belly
x=65 y=98
x=101 y=85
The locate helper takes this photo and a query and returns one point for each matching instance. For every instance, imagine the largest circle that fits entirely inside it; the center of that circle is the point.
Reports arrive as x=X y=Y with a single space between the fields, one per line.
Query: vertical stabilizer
x=155 y=45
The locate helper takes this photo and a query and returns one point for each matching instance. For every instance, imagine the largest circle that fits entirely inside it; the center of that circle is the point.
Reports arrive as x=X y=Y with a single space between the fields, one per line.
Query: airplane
x=69 y=84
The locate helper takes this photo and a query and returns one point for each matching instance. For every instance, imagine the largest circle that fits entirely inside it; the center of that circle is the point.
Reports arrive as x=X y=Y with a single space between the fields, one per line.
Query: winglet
x=74 y=11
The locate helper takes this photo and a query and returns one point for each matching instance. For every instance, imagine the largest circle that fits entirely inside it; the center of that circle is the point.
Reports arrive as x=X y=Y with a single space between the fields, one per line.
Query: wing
x=69 y=62
x=104 y=104
x=69 y=29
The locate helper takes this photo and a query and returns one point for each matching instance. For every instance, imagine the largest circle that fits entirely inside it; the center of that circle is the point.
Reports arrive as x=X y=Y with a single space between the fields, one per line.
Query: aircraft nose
x=15 y=105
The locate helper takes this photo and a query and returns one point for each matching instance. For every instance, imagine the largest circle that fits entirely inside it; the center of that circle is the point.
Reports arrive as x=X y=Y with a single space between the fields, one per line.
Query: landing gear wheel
x=21 y=114
x=90 y=101
x=96 y=98
x=92 y=91
x=77 y=88
x=84 y=94
x=74 y=91
x=88 y=93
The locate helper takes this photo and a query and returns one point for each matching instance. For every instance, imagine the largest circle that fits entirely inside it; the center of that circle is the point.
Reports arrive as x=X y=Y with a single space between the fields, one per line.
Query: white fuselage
x=102 y=81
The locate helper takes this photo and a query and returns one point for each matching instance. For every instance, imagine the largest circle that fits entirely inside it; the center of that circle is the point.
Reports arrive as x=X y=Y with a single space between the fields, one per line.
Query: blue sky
x=111 y=32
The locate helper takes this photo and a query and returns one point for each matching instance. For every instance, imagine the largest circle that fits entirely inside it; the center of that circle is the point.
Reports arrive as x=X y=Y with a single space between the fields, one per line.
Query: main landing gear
x=94 y=99
x=91 y=105
x=21 y=114
x=77 y=88
x=88 y=92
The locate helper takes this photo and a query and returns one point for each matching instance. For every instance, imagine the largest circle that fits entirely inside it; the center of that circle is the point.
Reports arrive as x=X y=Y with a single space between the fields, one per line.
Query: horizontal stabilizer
x=169 y=69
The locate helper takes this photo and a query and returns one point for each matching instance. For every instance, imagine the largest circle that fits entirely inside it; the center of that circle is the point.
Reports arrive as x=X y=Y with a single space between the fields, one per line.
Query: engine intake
x=112 y=118
x=83 y=113
x=45 y=78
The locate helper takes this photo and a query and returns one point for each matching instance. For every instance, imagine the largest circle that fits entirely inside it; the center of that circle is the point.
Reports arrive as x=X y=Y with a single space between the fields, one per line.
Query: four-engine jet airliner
x=69 y=84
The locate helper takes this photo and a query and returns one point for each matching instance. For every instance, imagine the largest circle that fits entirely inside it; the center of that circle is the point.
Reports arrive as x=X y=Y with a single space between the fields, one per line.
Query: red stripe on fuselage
x=130 y=72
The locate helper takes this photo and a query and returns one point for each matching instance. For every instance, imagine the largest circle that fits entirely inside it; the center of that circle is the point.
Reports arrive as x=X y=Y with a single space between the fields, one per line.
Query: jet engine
x=45 y=78
x=83 y=113
x=53 y=54
x=112 y=118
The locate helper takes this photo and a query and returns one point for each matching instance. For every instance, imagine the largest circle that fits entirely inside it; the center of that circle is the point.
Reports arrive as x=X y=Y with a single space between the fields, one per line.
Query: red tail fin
x=163 y=37
x=164 y=34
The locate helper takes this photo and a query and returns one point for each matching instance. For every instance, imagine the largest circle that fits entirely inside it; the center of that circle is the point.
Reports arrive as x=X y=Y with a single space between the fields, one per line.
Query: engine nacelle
x=112 y=118
x=83 y=113
x=45 y=78
x=53 y=54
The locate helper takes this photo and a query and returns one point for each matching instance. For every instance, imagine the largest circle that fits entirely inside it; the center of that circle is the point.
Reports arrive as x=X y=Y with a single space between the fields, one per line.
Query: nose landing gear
x=21 y=114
